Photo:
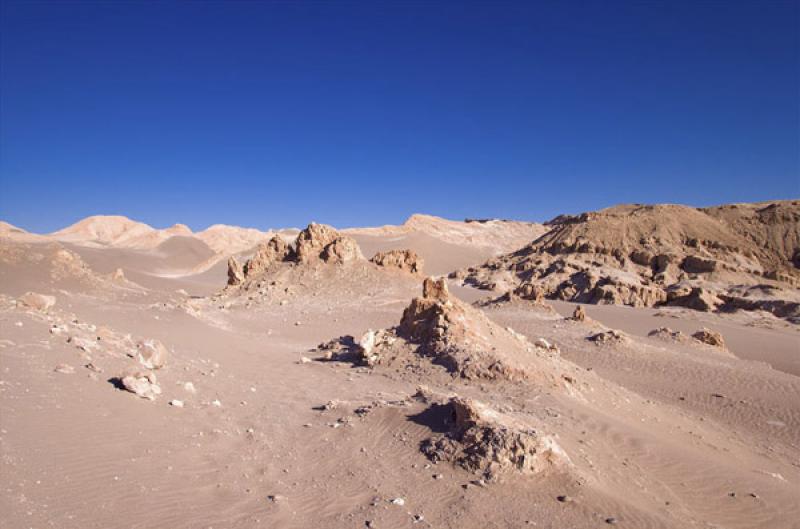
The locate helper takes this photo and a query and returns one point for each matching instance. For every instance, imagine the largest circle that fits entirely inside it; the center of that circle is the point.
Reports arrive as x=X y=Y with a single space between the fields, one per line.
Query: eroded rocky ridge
x=725 y=258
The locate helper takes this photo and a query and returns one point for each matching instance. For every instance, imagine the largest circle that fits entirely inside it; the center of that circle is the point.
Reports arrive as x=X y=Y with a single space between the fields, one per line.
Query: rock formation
x=489 y=443
x=579 y=314
x=142 y=384
x=36 y=301
x=316 y=244
x=444 y=331
x=658 y=255
x=709 y=337
x=152 y=354
x=406 y=260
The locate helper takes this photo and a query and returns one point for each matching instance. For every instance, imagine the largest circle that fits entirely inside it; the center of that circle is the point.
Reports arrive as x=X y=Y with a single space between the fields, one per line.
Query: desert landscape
x=399 y=264
x=636 y=366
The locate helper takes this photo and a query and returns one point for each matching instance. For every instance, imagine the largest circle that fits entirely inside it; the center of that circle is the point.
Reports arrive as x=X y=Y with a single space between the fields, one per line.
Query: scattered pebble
x=66 y=369
x=611 y=520
x=177 y=403
x=397 y=501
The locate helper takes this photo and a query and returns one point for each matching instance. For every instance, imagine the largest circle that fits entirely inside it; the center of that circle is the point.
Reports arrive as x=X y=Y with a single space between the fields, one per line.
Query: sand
x=656 y=432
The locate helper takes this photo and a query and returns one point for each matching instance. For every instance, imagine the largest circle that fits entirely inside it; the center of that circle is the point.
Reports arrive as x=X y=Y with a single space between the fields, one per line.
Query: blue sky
x=360 y=113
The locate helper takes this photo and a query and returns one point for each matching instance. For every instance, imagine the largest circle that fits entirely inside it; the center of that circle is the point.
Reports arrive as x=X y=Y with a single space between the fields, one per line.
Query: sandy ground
x=659 y=433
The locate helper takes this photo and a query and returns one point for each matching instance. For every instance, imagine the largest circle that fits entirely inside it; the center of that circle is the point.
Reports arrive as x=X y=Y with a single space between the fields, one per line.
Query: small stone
x=397 y=501
x=91 y=367
x=177 y=403
x=188 y=386
x=65 y=369
x=216 y=403
x=564 y=498
x=611 y=520
x=305 y=360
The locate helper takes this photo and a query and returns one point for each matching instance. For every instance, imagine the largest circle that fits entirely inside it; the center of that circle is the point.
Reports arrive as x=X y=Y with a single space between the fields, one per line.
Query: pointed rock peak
x=435 y=289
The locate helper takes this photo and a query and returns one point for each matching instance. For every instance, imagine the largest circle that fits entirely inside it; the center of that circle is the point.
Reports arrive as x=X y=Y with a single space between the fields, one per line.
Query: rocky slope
x=724 y=258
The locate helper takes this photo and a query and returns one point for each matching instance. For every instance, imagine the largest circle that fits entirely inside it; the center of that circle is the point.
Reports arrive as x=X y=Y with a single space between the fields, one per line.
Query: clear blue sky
x=358 y=113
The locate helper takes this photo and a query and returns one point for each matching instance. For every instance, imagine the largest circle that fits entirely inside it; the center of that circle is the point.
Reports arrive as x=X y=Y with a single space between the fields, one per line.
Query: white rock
x=177 y=403
x=37 y=301
x=142 y=384
x=152 y=354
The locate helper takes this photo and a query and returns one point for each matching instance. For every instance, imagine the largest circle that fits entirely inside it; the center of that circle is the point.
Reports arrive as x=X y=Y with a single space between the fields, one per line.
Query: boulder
x=697 y=265
x=697 y=299
x=152 y=354
x=36 y=301
x=142 y=384
x=530 y=292
x=709 y=337
x=609 y=337
x=579 y=314
x=489 y=443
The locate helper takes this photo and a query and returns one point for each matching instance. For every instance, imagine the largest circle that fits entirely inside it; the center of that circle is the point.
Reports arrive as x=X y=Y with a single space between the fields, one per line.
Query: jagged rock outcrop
x=655 y=255
x=318 y=243
x=406 y=260
x=489 y=443
x=235 y=271
x=444 y=331
x=322 y=242
x=267 y=253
